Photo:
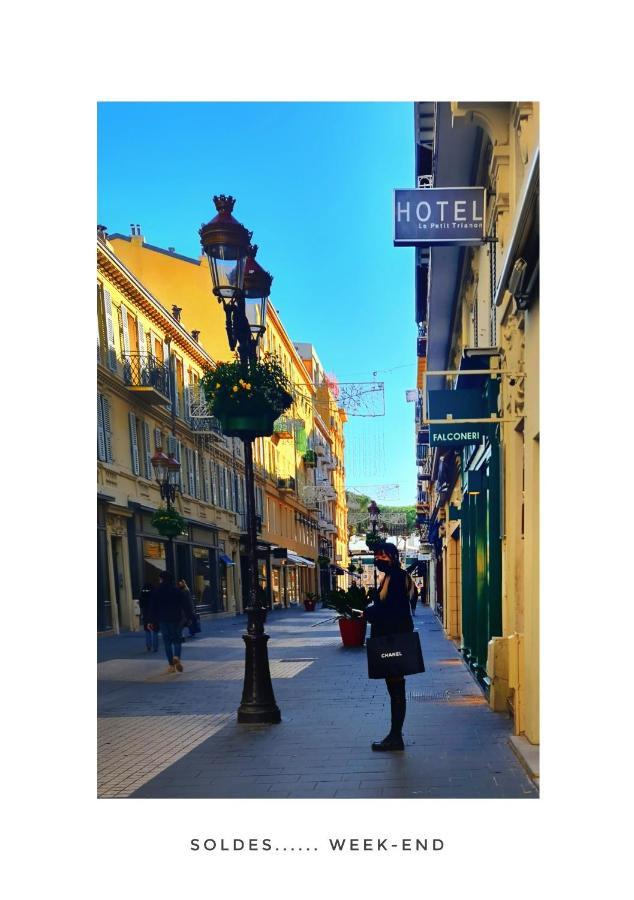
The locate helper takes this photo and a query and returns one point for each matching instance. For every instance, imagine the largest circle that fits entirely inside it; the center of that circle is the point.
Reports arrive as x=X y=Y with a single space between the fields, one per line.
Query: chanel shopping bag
x=394 y=654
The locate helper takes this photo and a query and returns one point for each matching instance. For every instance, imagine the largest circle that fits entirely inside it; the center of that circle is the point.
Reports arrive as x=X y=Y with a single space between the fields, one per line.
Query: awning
x=226 y=559
x=338 y=570
x=157 y=563
x=297 y=560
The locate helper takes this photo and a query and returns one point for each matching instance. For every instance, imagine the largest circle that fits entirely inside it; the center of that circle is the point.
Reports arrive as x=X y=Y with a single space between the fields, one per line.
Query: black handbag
x=395 y=654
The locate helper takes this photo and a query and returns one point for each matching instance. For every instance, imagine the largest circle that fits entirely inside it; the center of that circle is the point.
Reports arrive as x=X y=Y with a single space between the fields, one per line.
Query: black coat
x=167 y=604
x=393 y=615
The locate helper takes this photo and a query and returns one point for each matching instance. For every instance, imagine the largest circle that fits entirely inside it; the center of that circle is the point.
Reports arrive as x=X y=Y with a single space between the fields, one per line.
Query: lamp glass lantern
x=173 y=471
x=226 y=243
x=257 y=288
x=159 y=464
x=373 y=512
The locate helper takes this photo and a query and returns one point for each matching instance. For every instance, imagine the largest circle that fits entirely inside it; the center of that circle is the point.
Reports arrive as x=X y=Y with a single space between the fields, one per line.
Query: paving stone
x=177 y=736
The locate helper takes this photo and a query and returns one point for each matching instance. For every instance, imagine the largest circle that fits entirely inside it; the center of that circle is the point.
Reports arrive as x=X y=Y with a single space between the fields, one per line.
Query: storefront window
x=205 y=576
x=275 y=586
x=153 y=561
x=291 y=584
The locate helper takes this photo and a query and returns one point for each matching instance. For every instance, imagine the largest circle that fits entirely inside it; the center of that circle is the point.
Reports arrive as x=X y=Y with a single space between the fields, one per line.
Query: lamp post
x=242 y=286
x=167 y=473
x=373 y=513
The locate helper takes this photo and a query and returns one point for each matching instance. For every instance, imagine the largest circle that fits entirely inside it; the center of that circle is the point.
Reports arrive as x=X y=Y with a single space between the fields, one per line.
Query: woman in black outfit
x=390 y=613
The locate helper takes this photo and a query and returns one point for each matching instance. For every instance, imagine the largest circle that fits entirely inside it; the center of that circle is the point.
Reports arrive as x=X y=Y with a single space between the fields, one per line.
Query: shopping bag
x=395 y=654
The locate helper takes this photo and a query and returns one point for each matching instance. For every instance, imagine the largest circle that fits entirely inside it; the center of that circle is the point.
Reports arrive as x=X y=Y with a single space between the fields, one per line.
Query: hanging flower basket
x=372 y=539
x=248 y=401
x=168 y=522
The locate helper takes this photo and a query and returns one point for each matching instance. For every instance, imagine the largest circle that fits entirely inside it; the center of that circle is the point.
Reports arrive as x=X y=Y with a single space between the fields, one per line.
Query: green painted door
x=481 y=560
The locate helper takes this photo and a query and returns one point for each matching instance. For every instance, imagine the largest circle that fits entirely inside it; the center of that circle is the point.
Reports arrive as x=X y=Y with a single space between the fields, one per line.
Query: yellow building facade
x=285 y=472
x=147 y=366
x=494 y=326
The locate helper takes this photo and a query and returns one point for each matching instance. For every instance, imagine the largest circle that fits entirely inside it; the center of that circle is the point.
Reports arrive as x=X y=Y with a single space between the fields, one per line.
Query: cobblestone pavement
x=177 y=736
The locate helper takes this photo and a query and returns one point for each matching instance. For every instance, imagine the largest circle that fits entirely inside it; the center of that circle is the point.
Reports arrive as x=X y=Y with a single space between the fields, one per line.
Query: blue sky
x=314 y=182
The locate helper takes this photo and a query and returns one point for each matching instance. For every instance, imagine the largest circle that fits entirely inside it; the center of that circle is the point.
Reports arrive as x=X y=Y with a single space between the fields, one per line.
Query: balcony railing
x=286 y=484
x=145 y=375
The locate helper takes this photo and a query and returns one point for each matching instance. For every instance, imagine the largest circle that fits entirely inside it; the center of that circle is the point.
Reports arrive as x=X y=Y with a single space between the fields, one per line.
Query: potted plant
x=310 y=459
x=168 y=521
x=310 y=602
x=348 y=605
x=247 y=399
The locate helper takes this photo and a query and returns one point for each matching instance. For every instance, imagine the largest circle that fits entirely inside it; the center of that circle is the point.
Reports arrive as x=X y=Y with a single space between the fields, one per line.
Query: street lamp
x=167 y=473
x=373 y=513
x=243 y=287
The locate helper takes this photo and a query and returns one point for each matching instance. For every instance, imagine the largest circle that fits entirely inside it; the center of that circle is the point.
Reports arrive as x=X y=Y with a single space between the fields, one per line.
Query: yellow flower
x=235 y=388
x=248 y=387
x=217 y=384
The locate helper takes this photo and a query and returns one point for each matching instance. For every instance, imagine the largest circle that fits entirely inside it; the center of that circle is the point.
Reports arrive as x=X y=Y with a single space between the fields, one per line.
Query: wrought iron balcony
x=146 y=376
x=198 y=413
x=286 y=484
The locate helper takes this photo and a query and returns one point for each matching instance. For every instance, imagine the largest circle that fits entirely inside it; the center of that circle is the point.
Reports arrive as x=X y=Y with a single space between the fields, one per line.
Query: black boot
x=394 y=740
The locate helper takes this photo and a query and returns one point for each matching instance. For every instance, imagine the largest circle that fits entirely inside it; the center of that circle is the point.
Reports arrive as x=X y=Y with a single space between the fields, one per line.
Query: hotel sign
x=439 y=216
x=450 y=435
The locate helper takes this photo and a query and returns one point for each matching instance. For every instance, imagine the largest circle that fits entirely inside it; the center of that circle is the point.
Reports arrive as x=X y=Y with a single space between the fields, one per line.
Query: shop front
x=105 y=618
x=265 y=574
x=198 y=559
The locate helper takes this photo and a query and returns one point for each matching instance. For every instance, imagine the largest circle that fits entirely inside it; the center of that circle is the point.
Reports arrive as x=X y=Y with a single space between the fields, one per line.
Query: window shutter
x=141 y=333
x=179 y=453
x=213 y=470
x=191 y=481
x=147 y=449
x=167 y=362
x=157 y=438
x=223 y=487
x=196 y=475
x=124 y=327
x=107 y=431
x=101 y=439
x=171 y=445
x=112 y=352
x=134 y=447
x=205 y=479
x=186 y=395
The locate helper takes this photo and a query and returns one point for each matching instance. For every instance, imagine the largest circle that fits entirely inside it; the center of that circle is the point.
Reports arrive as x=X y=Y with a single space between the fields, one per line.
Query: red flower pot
x=309 y=605
x=353 y=632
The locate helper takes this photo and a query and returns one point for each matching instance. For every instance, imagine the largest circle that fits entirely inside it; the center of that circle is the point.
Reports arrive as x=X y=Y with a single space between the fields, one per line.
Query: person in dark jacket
x=168 y=610
x=145 y=605
x=390 y=613
x=188 y=605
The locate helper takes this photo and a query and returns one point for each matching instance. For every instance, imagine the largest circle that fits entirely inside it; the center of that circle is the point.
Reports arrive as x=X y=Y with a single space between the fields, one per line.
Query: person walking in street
x=413 y=596
x=390 y=613
x=189 y=610
x=145 y=605
x=168 y=610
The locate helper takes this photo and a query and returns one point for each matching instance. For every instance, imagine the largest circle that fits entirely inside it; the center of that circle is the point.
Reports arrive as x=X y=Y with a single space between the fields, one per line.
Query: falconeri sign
x=451 y=435
x=439 y=216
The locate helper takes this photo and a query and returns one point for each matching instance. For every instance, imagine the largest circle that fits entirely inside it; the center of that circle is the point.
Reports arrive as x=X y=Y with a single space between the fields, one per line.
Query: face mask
x=382 y=565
